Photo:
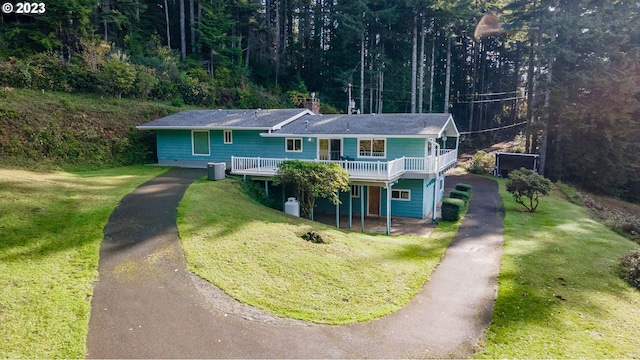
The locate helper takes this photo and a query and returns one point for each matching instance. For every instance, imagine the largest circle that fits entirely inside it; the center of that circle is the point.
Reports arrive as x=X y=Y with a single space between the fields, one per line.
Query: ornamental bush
x=452 y=209
x=462 y=195
x=464 y=187
x=482 y=163
x=631 y=268
x=527 y=186
x=313 y=180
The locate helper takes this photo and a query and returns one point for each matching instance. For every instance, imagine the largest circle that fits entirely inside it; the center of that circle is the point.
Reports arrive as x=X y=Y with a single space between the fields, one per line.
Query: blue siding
x=326 y=205
x=397 y=148
x=427 y=202
x=413 y=208
x=176 y=145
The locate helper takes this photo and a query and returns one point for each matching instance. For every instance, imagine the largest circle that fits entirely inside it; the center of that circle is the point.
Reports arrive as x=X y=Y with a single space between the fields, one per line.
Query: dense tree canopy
x=568 y=68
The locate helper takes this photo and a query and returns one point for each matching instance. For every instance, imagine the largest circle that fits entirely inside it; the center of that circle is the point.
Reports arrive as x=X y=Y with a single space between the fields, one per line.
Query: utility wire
x=493 y=129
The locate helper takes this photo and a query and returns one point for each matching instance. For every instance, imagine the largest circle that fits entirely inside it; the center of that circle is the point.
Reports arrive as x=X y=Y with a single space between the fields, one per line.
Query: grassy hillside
x=560 y=292
x=51 y=226
x=257 y=255
x=49 y=130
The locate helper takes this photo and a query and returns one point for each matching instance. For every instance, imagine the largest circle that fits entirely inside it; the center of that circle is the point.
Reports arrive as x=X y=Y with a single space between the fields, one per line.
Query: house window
x=398 y=194
x=355 y=191
x=200 y=142
x=294 y=145
x=372 y=148
x=228 y=137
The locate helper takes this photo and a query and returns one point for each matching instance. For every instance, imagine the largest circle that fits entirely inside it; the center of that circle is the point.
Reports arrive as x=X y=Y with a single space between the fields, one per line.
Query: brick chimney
x=312 y=104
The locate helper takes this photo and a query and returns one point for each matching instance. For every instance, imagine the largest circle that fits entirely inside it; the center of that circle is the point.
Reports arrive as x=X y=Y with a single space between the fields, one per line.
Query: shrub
x=527 y=186
x=462 y=195
x=482 y=163
x=313 y=180
x=452 y=209
x=631 y=267
x=258 y=194
x=314 y=237
x=464 y=187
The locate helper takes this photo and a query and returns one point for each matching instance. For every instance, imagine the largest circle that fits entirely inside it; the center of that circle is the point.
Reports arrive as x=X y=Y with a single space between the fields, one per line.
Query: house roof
x=388 y=125
x=303 y=122
x=271 y=119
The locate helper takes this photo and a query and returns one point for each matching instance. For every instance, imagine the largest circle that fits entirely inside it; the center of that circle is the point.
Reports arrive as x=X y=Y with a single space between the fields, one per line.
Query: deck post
x=338 y=211
x=266 y=187
x=350 y=206
x=388 y=209
x=362 y=207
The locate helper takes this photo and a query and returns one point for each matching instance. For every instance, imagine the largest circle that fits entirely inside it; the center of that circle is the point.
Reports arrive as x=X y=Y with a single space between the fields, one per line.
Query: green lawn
x=256 y=255
x=50 y=232
x=559 y=295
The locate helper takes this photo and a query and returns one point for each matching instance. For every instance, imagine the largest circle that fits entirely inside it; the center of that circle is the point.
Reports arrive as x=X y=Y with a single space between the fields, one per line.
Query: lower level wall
x=419 y=203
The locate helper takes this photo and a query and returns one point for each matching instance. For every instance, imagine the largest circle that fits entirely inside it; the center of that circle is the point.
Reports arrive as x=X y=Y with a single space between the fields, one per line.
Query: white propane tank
x=292 y=207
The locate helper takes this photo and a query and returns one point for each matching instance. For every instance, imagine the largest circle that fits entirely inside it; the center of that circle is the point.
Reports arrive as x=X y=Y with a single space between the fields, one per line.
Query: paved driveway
x=147 y=305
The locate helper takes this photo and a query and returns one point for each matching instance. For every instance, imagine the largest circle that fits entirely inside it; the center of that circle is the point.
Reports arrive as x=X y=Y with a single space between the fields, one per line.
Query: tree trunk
x=422 y=65
x=362 y=71
x=192 y=25
x=166 y=16
x=277 y=44
x=414 y=62
x=183 y=32
x=545 y=131
x=106 y=8
x=530 y=88
x=447 y=81
x=472 y=107
x=433 y=63
x=380 y=88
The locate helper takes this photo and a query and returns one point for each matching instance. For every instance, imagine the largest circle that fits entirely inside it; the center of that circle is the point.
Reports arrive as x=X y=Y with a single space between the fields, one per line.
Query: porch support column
x=266 y=187
x=350 y=206
x=388 y=209
x=338 y=211
x=362 y=207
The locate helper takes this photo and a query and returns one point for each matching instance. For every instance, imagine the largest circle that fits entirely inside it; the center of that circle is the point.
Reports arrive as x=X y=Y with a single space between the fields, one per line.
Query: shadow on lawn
x=47 y=215
x=558 y=269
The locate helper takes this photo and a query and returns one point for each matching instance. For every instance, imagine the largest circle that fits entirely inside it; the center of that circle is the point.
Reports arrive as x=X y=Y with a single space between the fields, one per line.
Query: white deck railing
x=358 y=170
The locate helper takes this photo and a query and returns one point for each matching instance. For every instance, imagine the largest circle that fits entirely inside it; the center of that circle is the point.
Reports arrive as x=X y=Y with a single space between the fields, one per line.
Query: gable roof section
x=388 y=125
x=268 y=119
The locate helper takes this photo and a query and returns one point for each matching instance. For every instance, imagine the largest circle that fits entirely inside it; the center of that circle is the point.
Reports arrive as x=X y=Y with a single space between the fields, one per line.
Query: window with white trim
x=400 y=194
x=355 y=191
x=294 y=145
x=375 y=148
x=200 y=142
x=228 y=137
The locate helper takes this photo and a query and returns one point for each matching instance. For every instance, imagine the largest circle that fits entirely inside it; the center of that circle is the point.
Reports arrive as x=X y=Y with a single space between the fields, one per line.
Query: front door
x=374 y=200
x=329 y=149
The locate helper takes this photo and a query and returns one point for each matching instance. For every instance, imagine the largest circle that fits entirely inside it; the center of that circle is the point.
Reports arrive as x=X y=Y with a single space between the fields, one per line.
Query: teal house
x=396 y=162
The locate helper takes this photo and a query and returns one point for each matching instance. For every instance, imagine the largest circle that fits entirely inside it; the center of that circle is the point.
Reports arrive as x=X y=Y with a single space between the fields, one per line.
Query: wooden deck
x=358 y=170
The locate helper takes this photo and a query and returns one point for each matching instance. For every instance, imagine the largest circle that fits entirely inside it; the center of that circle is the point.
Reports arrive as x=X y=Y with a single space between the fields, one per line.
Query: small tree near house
x=313 y=180
x=527 y=186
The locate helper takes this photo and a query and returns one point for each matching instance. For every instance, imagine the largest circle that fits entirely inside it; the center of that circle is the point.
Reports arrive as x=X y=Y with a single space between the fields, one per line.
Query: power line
x=490 y=100
x=493 y=129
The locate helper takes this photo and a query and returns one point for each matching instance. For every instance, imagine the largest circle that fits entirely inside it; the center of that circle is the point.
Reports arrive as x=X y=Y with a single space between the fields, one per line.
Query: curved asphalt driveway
x=147 y=305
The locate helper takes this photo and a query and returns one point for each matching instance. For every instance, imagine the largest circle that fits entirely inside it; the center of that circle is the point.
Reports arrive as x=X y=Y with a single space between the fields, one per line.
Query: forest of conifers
x=568 y=69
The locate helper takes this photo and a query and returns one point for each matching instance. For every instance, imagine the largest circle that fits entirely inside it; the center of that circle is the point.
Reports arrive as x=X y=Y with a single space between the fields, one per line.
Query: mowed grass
x=560 y=295
x=51 y=226
x=257 y=256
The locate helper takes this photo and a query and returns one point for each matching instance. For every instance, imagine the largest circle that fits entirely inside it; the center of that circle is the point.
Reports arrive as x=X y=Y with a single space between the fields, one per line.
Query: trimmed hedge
x=452 y=209
x=464 y=187
x=462 y=195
